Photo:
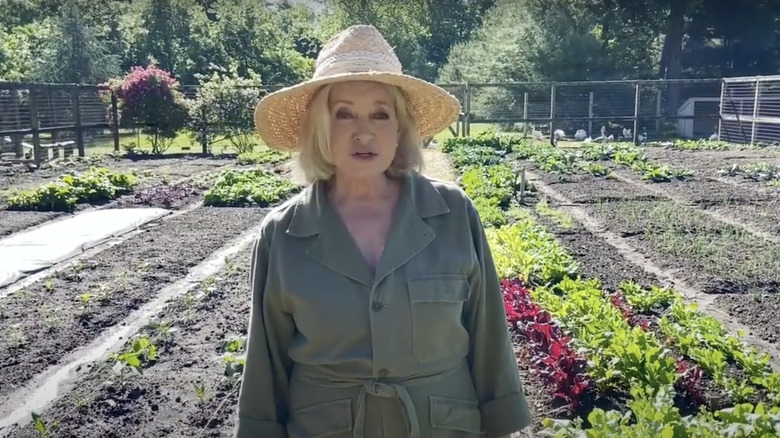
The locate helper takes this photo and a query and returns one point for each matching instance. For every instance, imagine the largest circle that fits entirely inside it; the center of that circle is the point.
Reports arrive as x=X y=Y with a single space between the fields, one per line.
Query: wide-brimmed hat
x=357 y=53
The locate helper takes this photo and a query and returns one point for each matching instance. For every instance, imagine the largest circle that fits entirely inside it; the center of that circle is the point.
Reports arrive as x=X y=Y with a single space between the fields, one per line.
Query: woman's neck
x=345 y=189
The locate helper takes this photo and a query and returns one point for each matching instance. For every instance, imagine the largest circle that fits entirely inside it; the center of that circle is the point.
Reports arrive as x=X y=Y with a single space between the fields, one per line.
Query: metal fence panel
x=750 y=110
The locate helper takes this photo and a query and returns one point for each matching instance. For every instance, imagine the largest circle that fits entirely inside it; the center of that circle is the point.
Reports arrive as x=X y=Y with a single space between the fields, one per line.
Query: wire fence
x=662 y=108
x=43 y=121
x=750 y=110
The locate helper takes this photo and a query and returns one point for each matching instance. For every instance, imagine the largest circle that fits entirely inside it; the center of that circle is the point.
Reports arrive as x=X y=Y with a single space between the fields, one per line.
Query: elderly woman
x=376 y=308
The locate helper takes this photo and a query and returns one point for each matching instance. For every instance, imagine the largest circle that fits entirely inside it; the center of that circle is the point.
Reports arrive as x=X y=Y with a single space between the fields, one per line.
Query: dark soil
x=707 y=163
x=714 y=256
x=189 y=334
x=755 y=206
x=43 y=322
x=760 y=312
x=596 y=258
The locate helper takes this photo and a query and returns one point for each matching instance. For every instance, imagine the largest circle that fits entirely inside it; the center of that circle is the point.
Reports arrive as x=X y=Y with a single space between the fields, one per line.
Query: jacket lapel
x=334 y=248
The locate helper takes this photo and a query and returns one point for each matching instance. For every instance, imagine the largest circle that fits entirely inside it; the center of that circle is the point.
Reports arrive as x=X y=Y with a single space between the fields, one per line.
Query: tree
x=73 y=54
x=250 y=36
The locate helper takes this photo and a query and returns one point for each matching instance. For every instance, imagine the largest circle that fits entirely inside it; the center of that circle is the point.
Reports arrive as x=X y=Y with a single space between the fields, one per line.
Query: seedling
x=141 y=353
x=200 y=391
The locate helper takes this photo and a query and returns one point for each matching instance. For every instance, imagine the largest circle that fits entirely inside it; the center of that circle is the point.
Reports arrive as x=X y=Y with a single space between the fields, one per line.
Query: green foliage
x=93 y=186
x=21 y=48
x=72 y=53
x=223 y=109
x=253 y=41
x=525 y=250
x=256 y=187
x=263 y=156
x=496 y=183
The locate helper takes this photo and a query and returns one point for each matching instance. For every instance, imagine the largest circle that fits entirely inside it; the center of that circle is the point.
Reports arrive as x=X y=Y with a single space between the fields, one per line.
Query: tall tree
x=73 y=53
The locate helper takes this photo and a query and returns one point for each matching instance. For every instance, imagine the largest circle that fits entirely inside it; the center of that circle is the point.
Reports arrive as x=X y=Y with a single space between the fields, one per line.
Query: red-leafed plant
x=628 y=313
x=689 y=381
x=552 y=358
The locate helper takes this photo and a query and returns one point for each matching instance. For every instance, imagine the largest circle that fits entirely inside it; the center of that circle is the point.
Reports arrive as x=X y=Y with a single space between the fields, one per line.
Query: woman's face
x=364 y=128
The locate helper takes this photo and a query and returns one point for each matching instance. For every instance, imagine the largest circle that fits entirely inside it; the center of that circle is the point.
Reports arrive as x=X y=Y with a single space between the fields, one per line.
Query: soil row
x=43 y=322
x=714 y=257
x=185 y=390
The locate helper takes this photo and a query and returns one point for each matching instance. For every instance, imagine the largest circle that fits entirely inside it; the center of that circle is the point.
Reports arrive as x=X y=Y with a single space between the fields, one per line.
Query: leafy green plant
x=524 y=250
x=700 y=145
x=92 y=186
x=490 y=182
x=248 y=187
x=262 y=156
x=141 y=353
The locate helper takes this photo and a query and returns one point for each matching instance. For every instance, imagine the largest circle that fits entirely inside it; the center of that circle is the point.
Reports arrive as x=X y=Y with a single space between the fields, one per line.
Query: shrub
x=224 y=108
x=150 y=97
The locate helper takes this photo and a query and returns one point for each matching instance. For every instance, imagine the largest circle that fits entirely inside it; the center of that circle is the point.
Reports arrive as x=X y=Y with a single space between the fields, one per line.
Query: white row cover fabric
x=31 y=251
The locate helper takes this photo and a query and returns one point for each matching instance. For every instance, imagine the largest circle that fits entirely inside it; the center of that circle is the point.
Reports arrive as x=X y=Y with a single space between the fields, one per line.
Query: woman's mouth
x=363 y=155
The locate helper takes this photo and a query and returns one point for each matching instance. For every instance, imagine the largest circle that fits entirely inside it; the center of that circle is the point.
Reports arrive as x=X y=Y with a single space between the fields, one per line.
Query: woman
x=376 y=307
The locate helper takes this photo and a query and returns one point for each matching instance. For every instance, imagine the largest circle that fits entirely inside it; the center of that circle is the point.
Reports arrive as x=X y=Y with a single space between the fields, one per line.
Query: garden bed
x=46 y=320
x=184 y=389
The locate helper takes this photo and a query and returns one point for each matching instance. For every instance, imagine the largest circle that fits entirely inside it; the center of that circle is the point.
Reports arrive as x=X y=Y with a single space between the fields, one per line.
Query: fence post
x=755 y=113
x=720 y=108
x=77 y=116
x=552 y=112
x=204 y=143
x=525 y=113
x=637 y=94
x=659 y=97
x=467 y=117
x=115 y=116
x=36 y=126
x=590 y=113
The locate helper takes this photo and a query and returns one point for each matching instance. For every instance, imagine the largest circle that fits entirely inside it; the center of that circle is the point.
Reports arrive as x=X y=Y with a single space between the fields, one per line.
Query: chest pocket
x=436 y=304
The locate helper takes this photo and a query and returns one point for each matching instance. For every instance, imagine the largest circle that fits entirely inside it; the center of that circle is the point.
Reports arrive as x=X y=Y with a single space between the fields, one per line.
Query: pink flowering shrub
x=149 y=97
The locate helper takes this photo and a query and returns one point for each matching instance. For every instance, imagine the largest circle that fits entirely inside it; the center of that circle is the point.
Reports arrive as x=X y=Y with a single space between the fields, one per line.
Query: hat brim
x=279 y=115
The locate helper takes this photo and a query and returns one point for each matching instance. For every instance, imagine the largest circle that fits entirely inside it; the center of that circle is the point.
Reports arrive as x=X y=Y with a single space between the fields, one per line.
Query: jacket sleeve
x=493 y=364
x=264 y=394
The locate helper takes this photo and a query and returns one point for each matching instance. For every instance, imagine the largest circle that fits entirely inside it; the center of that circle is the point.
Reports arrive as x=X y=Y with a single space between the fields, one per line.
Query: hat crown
x=356 y=49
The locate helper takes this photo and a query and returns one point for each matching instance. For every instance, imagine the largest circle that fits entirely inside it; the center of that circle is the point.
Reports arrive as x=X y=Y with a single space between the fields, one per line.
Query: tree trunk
x=674 y=37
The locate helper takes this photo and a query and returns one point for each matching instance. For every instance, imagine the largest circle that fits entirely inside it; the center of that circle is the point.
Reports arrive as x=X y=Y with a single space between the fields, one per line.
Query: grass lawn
x=181 y=143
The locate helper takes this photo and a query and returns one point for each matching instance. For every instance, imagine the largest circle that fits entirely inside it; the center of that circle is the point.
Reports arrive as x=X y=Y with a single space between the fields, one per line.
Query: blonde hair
x=314 y=161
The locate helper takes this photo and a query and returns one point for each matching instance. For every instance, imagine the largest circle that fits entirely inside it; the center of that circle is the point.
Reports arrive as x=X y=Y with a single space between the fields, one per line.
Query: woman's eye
x=381 y=115
x=343 y=114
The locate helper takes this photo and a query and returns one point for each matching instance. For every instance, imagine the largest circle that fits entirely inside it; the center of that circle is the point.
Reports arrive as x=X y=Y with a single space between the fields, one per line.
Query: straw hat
x=357 y=53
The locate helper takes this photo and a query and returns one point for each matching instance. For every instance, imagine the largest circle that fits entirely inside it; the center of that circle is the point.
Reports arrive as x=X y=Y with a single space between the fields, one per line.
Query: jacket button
x=377 y=306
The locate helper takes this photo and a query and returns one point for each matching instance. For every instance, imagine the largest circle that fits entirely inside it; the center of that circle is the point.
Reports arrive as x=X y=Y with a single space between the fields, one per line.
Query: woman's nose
x=362 y=134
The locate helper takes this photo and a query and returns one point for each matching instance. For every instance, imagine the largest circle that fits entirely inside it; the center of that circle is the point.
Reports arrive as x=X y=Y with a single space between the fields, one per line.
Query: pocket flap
x=456 y=414
x=323 y=419
x=439 y=288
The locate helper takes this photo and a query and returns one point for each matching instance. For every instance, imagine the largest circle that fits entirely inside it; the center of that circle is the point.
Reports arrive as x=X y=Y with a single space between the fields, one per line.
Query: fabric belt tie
x=386 y=390
x=377 y=387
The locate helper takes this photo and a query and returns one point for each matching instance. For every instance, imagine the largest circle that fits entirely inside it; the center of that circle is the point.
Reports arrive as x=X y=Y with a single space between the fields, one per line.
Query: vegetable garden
x=640 y=286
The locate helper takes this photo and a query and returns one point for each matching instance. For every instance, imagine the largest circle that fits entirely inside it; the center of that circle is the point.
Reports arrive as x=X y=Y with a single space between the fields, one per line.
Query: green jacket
x=419 y=349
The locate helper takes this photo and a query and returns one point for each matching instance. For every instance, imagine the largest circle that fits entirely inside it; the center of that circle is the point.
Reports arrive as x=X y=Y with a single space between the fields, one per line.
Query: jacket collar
x=334 y=246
